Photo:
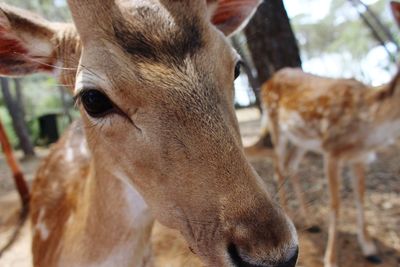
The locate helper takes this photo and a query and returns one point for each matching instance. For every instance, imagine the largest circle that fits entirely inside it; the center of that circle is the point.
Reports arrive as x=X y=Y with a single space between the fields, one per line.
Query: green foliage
x=341 y=31
x=41 y=97
x=55 y=10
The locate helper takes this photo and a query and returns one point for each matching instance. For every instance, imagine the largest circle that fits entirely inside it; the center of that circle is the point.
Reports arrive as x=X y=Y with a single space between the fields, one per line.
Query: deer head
x=154 y=85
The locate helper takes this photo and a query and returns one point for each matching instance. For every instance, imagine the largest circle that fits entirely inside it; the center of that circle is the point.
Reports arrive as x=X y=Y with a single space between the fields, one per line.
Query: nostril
x=235 y=257
x=292 y=262
x=239 y=262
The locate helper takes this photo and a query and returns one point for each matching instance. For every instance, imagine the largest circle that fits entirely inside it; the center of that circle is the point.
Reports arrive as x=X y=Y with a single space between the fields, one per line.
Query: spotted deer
x=345 y=121
x=158 y=137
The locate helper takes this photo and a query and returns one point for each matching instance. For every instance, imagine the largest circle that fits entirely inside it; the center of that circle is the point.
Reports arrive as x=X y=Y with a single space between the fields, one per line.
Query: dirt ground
x=382 y=206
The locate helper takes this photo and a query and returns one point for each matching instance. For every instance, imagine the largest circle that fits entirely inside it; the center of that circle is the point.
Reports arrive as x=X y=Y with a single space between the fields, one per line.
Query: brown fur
x=342 y=119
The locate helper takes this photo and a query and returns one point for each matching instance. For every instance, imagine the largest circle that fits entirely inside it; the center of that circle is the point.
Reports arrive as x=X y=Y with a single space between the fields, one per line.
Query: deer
x=342 y=119
x=158 y=138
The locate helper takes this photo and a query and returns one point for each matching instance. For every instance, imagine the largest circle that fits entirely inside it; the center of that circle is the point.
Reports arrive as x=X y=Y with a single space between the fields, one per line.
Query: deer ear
x=396 y=11
x=25 y=42
x=230 y=16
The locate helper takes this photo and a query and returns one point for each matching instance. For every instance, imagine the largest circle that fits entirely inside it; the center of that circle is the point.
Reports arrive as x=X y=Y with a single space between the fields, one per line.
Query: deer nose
x=238 y=261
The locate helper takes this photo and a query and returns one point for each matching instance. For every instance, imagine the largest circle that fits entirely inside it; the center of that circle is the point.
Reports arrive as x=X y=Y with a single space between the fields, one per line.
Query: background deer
x=158 y=136
x=342 y=119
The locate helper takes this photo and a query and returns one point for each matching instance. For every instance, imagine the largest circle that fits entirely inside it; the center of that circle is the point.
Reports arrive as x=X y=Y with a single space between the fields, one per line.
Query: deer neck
x=116 y=223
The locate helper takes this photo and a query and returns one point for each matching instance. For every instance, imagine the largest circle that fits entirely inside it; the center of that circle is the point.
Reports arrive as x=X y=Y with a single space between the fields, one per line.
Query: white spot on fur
x=41 y=225
x=264 y=120
x=138 y=251
x=384 y=134
x=71 y=219
x=139 y=212
x=83 y=148
x=69 y=154
x=306 y=144
x=370 y=157
x=307 y=141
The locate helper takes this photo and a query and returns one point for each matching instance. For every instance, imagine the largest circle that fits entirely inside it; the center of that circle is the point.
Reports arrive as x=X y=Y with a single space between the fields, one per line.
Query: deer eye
x=96 y=103
x=237 y=69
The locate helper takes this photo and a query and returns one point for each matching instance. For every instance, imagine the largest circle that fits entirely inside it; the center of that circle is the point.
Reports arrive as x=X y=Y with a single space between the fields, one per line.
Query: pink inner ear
x=227 y=10
x=231 y=14
x=10 y=51
x=14 y=56
x=9 y=46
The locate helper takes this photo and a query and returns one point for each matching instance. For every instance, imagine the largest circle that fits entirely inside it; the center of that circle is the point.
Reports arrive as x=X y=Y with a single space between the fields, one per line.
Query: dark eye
x=237 y=69
x=96 y=103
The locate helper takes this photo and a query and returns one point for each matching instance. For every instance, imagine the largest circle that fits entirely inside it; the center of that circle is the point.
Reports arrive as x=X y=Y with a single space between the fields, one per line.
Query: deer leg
x=367 y=245
x=292 y=164
x=332 y=169
x=280 y=150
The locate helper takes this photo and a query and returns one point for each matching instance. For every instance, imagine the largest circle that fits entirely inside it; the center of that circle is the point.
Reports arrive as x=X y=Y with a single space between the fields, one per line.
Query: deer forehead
x=149 y=31
x=155 y=34
x=160 y=38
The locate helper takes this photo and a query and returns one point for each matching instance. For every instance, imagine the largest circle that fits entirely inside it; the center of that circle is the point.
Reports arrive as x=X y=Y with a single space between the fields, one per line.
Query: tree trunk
x=19 y=97
x=271 y=40
x=65 y=104
x=18 y=120
x=273 y=46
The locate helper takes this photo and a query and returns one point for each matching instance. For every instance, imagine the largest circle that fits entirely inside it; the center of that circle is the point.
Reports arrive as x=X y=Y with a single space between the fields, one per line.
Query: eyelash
x=238 y=69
